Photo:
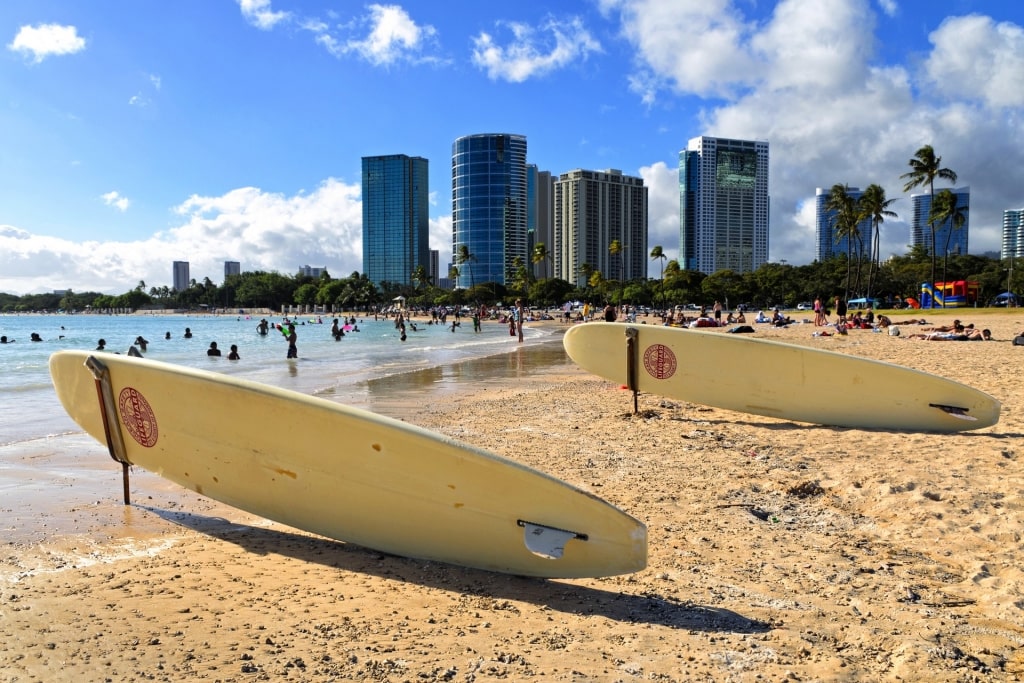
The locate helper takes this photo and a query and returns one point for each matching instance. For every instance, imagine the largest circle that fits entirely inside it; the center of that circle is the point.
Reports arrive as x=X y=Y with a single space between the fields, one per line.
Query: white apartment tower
x=592 y=209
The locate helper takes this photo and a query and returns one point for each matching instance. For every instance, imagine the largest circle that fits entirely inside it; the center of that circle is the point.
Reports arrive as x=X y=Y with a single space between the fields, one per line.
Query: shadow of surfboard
x=555 y=595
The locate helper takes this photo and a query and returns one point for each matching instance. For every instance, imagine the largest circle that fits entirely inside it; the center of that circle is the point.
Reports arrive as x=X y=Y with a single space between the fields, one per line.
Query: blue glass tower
x=396 y=218
x=947 y=240
x=489 y=206
x=825 y=244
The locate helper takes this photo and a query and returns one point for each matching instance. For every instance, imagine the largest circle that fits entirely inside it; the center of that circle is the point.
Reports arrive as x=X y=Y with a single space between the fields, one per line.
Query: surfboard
x=344 y=473
x=775 y=379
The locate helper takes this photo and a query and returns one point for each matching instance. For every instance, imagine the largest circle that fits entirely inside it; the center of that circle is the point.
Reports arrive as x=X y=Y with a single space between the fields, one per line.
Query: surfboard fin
x=546 y=541
x=955 y=411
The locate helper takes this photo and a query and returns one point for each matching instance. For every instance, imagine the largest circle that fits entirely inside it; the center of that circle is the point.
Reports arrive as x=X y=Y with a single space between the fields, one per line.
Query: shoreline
x=778 y=550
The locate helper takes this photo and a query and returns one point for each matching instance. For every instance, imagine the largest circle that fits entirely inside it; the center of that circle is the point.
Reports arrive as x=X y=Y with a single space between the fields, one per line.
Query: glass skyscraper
x=1013 y=234
x=396 y=218
x=723 y=205
x=825 y=242
x=921 y=232
x=489 y=206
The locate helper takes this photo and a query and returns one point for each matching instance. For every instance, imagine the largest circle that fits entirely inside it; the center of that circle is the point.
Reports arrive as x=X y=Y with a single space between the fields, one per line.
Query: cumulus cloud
x=45 y=40
x=391 y=36
x=976 y=58
x=259 y=14
x=809 y=80
x=262 y=230
x=115 y=200
x=534 y=51
x=662 y=182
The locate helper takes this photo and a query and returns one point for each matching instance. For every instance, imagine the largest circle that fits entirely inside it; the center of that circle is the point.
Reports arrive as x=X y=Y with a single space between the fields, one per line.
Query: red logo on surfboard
x=138 y=417
x=659 y=361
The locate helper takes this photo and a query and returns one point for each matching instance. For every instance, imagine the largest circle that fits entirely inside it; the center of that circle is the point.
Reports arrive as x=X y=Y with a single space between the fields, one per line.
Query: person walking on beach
x=519 y=314
x=717 y=308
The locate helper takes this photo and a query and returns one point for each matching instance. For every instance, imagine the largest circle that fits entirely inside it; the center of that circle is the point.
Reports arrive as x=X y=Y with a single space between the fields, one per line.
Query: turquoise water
x=338 y=370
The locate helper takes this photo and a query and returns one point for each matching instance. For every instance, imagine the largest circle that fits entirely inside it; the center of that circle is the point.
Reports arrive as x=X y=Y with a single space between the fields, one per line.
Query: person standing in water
x=289 y=334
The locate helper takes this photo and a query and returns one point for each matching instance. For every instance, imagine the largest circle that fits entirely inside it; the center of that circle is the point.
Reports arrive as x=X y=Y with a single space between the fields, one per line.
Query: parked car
x=805 y=306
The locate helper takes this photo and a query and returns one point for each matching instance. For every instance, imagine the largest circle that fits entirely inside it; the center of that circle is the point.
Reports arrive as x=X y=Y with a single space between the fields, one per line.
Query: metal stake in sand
x=632 y=358
x=111 y=428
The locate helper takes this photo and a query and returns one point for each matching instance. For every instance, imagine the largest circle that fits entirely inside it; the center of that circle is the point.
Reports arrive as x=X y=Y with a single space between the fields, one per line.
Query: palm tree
x=520 y=276
x=658 y=253
x=616 y=248
x=845 y=223
x=925 y=167
x=465 y=257
x=945 y=209
x=419 y=276
x=541 y=255
x=875 y=206
x=586 y=270
x=453 y=274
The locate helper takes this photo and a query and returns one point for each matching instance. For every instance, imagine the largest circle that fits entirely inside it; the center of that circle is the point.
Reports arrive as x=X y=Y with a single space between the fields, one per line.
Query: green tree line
x=773 y=284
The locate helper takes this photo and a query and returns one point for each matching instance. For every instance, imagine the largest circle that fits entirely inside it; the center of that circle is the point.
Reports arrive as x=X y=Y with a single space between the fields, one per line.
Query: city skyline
x=122 y=151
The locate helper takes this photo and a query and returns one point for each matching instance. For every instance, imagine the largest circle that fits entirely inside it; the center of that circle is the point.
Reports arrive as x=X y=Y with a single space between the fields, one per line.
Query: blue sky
x=133 y=134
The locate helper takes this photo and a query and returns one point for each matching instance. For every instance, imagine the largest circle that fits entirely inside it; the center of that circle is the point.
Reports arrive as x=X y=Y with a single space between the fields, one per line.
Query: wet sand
x=778 y=551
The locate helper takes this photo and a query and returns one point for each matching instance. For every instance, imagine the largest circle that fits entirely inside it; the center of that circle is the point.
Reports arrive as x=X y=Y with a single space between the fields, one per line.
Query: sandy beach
x=777 y=551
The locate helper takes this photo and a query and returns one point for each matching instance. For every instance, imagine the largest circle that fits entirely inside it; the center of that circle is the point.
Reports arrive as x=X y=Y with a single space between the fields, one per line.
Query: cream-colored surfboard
x=344 y=473
x=774 y=379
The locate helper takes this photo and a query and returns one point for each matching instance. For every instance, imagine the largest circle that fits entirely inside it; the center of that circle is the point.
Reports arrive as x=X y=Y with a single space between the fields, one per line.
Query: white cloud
x=45 y=40
x=115 y=200
x=259 y=14
x=441 y=239
x=262 y=230
x=975 y=58
x=662 y=182
x=392 y=37
x=534 y=52
x=694 y=46
x=808 y=80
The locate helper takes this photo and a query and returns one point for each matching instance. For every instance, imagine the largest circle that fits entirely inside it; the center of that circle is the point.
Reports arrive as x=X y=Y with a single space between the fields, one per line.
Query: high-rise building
x=1013 y=234
x=592 y=210
x=180 y=276
x=396 y=218
x=432 y=272
x=947 y=240
x=489 y=207
x=311 y=271
x=826 y=244
x=723 y=205
x=540 y=218
x=232 y=268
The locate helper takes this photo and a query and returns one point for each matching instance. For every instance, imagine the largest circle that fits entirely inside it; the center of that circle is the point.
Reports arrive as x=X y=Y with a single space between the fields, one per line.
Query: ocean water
x=346 y=371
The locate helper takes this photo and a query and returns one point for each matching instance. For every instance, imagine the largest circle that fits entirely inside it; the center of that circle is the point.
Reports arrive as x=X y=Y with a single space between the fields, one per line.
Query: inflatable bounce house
x=956 y=294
